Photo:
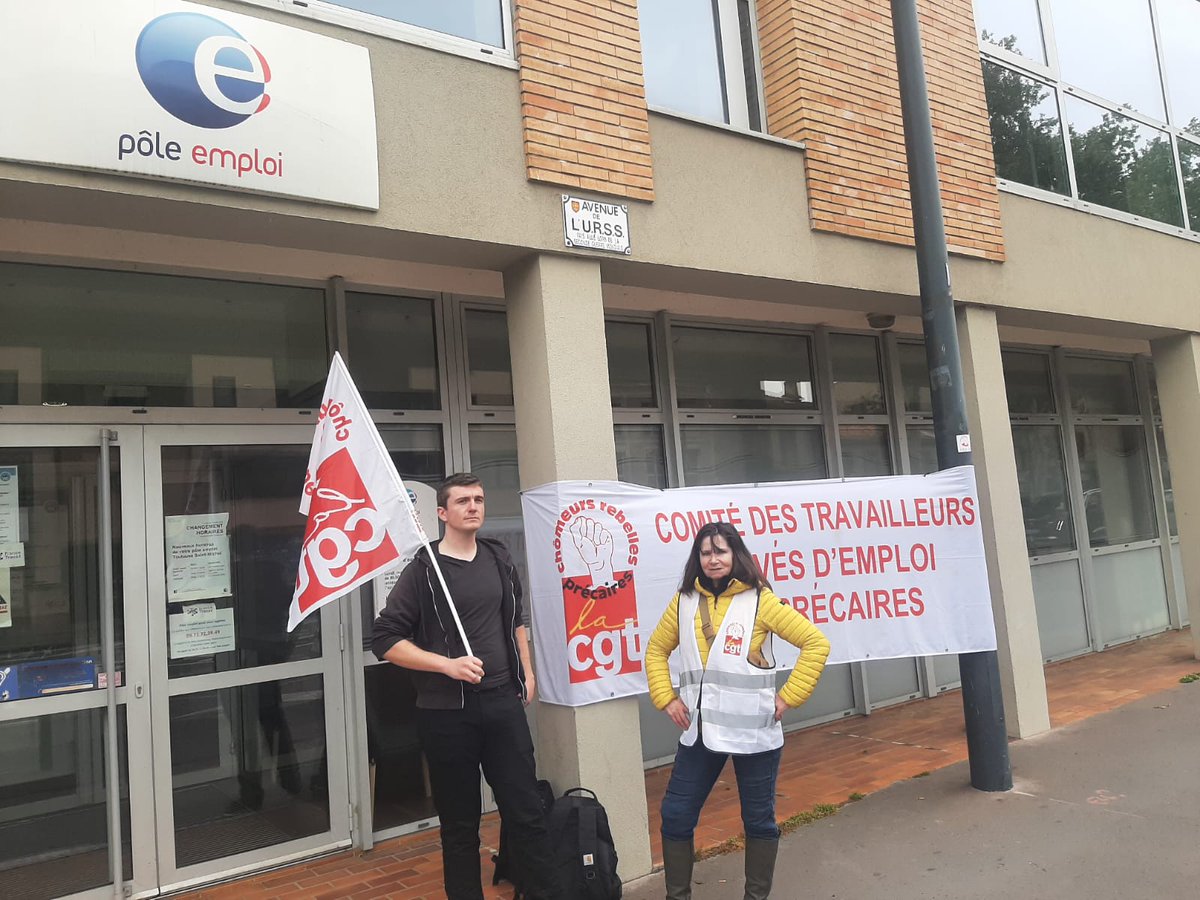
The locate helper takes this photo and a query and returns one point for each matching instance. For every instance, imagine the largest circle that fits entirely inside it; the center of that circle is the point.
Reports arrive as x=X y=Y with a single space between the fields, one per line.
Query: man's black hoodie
x=417 y=611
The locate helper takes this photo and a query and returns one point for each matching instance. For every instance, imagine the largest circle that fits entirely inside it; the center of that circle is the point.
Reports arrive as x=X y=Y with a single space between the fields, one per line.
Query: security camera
x=881 y=321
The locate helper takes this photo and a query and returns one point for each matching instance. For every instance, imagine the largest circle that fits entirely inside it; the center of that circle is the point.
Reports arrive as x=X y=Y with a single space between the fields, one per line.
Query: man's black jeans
x=489 y=731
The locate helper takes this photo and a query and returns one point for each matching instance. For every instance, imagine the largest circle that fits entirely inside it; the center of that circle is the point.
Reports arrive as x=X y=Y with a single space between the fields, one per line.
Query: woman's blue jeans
x=696 y=771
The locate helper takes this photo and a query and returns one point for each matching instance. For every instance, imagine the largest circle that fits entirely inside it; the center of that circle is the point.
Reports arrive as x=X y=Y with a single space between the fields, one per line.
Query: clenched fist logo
x=595 y=546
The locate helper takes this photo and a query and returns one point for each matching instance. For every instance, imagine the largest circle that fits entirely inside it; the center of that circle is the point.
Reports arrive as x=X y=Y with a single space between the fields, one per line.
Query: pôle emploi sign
x=174 y=90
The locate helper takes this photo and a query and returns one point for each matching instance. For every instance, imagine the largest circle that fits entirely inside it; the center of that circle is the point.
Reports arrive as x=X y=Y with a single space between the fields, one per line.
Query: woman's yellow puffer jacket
x=774 y=616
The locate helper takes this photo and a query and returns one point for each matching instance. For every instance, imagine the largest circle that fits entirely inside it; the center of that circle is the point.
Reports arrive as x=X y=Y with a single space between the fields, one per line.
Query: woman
x=722 y=620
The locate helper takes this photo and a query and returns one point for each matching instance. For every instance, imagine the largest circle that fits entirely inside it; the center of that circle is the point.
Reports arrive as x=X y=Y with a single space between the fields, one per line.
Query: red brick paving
x=824 y=764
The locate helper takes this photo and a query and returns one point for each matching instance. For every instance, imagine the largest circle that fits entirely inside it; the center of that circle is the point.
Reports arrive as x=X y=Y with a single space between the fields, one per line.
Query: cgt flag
x=361 y=520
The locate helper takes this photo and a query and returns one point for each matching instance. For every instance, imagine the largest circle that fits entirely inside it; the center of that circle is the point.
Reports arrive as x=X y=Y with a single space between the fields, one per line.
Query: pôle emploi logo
x=207 y=75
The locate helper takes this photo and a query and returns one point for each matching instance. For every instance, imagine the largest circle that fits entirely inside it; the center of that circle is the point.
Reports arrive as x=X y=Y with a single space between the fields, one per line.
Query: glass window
x=254 y=489
x=857 y=378
x=681 y=57
x=630 y=376
x=84 y=337
x=1166 y=480
x=248 y=767
x=53 y=804
x=640 y=457
x=1012 y=25
x=392 y=351
x=1027 y=137
x=1117 y=497
x=914 y=378
x=721 y=454
x=1027 y=382
x=399 y=773
x=865 y=450
x=1042 y=478
x=52 y=634
x=1122 y=164
x=1189 y=162
x=1108 y=49
x=742 y=370
x=488 y=359
x=1101 y=387
x=1179 y=29
x=475 y=20
x=922 y=450
x=494 y=460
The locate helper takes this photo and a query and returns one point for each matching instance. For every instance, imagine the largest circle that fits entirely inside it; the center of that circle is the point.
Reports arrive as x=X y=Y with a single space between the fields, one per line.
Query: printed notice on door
x=201 y=630
x=10 y=518
x=197 y=557
x=5 y=599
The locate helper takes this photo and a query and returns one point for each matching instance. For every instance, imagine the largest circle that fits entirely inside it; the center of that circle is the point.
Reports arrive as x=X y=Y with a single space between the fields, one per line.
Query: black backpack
x=583 y=848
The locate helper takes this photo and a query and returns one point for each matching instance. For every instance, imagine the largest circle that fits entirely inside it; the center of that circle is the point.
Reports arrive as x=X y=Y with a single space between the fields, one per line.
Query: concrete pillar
x=1019 y=645
x=564 y=432
x=1177 y=369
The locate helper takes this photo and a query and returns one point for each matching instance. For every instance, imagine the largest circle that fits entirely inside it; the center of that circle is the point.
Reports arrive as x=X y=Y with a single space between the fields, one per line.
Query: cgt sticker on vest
x=593 y=225
x=733 y=640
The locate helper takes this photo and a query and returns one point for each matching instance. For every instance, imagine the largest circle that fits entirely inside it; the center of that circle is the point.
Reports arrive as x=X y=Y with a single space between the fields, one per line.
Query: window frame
x=396 y=30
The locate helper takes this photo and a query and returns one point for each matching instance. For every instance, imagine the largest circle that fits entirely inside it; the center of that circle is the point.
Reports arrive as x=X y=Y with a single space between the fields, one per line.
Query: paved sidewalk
x=820 y=765
x=1104 y=809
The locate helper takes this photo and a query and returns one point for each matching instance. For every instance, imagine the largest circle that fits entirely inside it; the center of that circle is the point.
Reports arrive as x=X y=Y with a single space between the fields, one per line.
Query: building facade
x=166 y=340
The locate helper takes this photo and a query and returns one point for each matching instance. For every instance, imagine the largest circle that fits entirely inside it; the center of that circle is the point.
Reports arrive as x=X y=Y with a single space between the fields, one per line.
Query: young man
x=470 y=709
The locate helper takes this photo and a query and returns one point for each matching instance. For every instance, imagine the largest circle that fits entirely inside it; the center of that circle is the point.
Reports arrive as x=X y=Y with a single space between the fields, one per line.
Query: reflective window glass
x=1042 y=478
x=1107 y=48
x=1179 y=30
x=630 y=375
x=742 y=370
x=84 y=337
x=399 y=773
x=1027 y=382
x=719 y=454
x=1189 y=162
x=857 y=378
x=1122 y=164
x=914 y=378
x=1117 y=496
x=681 y=57
x=1011 y=25
x=865 y=450
x=248 y=767
x=640 y=458
x=494 y=460
x=53 y=804
x=1027 y=137
x=1101 y=387
x=1172 y=522
x=475 y=20
x=487 y=356
x=247 y=496
x=392 y=351
x=922 y=450
x=51 y=621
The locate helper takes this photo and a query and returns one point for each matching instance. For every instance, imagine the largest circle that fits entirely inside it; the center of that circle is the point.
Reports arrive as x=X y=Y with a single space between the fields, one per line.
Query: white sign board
x=595 y=225
x=12 y=556
x=200 y=630
x=166 y=89
x=424 y=501
x=10 y=516
x=885 y=567
x=197 y=550
x=5 y=599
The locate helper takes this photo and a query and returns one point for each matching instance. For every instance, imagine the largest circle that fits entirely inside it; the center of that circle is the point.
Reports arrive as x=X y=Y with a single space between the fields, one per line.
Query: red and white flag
x=361 y=519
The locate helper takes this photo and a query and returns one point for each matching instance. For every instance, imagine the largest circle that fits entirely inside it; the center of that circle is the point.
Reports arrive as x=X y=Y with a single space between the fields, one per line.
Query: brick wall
x=583 y=100
x=829 y=72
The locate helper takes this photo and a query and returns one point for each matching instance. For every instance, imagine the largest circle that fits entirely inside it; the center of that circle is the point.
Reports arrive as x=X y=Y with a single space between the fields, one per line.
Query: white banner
x=167 y=89
x=885 y=567
x=361 y=521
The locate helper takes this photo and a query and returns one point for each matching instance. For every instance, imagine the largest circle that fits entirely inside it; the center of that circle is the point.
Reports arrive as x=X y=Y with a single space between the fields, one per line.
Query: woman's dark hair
x=745 y=569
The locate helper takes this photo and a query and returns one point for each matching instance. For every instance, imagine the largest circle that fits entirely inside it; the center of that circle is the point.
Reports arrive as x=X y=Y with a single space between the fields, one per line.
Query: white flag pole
x=395 y=476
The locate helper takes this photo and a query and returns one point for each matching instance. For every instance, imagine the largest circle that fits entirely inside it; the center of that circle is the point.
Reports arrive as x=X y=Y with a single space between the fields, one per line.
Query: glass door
x=250 y=749
x=75 y=741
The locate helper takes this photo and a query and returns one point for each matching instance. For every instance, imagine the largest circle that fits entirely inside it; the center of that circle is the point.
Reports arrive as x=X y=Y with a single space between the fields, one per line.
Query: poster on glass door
x=197 y=549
